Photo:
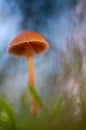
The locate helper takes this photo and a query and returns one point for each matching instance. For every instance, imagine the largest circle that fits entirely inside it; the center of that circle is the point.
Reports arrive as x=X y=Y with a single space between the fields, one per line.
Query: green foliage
x=7 y=116
x=55 y=117
x=36 y=97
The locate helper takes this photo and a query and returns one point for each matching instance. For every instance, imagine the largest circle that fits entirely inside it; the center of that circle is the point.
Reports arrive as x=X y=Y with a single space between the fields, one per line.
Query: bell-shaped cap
x=31 y=41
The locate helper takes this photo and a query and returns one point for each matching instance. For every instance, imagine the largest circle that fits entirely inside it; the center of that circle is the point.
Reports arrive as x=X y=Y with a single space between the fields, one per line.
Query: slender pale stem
x=35 y=106
x=30 y=70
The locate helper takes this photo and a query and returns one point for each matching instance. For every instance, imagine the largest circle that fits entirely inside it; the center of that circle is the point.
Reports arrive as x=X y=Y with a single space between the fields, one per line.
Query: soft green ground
x=60 y=116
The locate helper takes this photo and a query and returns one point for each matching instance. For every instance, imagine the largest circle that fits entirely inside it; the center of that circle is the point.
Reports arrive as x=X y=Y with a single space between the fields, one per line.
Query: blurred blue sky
x=52 y=19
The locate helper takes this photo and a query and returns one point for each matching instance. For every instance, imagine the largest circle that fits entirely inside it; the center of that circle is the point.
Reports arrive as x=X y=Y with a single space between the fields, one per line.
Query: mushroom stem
x=35 y=106
x=30 y=70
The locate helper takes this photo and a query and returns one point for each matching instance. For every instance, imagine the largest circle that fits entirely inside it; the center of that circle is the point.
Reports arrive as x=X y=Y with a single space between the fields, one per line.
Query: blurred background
x=62 y=68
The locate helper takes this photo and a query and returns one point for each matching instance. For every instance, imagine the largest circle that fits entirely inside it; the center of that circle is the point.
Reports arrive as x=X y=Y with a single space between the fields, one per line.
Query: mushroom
x=28 y=44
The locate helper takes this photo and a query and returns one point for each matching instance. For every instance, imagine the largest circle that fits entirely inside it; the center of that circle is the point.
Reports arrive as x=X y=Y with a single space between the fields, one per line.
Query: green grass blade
x=7 y=115
x=36 y=97
x=58 y=106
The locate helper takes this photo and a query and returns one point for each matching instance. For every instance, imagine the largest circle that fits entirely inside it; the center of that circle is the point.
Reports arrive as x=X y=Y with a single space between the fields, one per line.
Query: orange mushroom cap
x=27 y=39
